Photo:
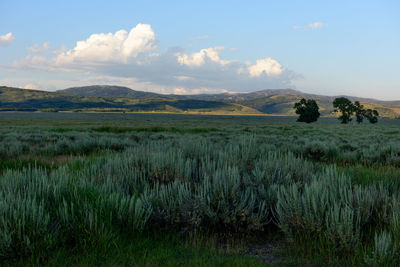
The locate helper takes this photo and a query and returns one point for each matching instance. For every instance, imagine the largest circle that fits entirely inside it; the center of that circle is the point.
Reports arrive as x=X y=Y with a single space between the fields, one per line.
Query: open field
x=161 y=189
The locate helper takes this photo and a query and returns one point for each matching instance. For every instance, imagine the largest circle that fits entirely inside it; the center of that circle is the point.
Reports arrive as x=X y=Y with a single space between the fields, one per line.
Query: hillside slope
x=120 y=91
x=108 y=91
x=16 y=99
x=117 y=98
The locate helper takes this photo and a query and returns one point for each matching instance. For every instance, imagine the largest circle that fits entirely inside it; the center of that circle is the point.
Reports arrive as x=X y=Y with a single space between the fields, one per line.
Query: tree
x=345 y=107
x=360 y=111
x=308 y=110
x=372 y=115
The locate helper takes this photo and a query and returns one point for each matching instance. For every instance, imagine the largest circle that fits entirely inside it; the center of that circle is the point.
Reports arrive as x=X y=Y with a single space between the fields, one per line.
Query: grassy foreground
x=150 y=249
x=78 y=189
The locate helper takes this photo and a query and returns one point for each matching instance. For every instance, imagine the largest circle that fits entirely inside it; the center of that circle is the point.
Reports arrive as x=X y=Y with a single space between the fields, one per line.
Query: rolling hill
x=103 y=98
x=108 y=91
x=16 y=99
x=270 y=101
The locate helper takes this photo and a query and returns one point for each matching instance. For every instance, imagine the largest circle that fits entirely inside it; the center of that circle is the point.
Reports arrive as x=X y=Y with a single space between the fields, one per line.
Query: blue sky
x=324 y=47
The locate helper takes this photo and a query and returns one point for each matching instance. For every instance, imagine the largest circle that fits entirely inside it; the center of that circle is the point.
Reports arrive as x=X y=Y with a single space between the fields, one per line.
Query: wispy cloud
x=311 y=26
x=31 y=86
x=316 y=25
x=201 y=37
x=45 y=48
x=39 y=48
x=6 y=39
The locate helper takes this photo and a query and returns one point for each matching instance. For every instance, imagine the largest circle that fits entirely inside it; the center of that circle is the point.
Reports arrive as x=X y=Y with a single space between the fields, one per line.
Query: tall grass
x=193 y=181
x=188 y=184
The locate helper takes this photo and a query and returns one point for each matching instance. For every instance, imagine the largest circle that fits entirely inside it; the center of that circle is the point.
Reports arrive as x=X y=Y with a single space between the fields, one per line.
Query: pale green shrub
x=328 y=207
x=384 y=252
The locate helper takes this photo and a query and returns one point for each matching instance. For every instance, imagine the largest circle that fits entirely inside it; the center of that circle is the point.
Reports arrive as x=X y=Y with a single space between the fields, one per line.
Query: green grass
x=152 y=249
x=128 y=189
x=110 y=129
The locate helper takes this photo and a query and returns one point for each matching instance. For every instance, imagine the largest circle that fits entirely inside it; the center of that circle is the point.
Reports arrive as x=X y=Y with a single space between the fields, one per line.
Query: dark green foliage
x=307 y=110
x=360 y=111
x=345 y=107
x=372 y=115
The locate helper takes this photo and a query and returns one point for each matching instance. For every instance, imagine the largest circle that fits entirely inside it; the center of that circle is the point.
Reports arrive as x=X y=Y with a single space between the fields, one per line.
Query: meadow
x=161 y=189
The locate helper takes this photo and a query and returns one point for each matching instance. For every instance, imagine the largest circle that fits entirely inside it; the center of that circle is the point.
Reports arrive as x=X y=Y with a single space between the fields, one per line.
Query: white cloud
x=203 y=37
x=129 y=59
x=39 y=48
x=200 y=58
x=108 y=47
x=182 y=78
x=31 y=86
x=32 y=63
x=57 y=51
x=312 y=26
x=45 y=48
x=180 y=91
x=316 y=25
x=6 y=39
x=268 y=66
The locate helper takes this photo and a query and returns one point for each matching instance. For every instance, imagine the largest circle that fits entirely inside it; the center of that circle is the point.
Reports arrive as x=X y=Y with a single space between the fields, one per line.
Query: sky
x=188 y=47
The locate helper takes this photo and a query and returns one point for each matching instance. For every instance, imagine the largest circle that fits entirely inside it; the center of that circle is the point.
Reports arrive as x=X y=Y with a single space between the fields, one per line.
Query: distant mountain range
x=102 y=98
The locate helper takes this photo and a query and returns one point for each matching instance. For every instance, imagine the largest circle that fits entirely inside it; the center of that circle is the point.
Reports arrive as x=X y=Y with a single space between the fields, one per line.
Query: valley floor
x=108 y=189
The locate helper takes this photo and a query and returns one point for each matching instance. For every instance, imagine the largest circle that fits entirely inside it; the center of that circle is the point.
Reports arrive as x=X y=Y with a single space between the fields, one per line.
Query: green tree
x=372 y=115
x=308 y=110
x=345 y=107
x=360 y=111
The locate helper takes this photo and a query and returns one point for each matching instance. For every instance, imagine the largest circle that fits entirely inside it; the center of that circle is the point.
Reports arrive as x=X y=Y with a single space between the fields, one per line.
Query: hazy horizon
x=331 y=49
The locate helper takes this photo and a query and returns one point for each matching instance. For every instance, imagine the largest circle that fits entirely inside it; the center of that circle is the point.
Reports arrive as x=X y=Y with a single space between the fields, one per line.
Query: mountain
x=120 y=91
x=108 y=91
x=270 y=101
x=101 y=98
x=16 y=99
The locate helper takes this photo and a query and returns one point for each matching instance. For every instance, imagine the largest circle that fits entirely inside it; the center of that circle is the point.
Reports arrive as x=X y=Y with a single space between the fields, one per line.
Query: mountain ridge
x=105 y=91
x=101 y=98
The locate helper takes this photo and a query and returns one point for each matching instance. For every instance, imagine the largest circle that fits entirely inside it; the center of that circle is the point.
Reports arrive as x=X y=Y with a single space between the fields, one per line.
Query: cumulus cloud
x=312 y=26
x=200 y=58
x=267 y=66
x=135 y=56
x=107 y=47
x=6 y=39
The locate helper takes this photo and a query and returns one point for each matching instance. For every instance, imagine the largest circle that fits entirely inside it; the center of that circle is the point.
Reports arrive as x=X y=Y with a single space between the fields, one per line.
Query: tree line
x=308 y=111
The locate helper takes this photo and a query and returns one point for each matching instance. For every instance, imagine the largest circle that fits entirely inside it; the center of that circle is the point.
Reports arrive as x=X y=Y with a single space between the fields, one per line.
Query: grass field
x=88 y=189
